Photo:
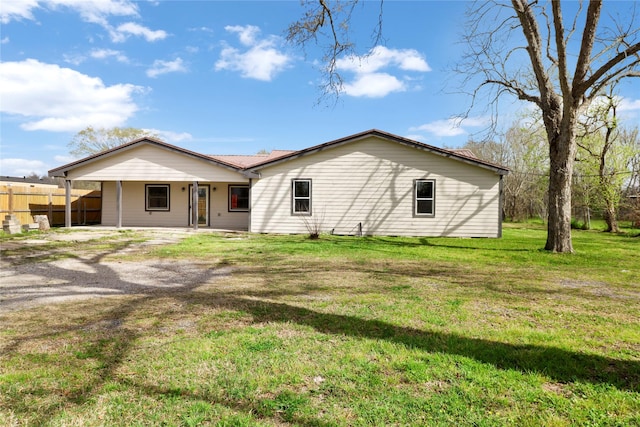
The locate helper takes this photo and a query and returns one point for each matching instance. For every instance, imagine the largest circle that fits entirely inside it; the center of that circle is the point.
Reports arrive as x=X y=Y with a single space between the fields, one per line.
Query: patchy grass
x=344 y=331
x=49 y=246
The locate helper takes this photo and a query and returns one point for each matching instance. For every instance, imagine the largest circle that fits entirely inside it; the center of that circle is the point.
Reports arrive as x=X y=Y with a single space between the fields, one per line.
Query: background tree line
x=605 y=181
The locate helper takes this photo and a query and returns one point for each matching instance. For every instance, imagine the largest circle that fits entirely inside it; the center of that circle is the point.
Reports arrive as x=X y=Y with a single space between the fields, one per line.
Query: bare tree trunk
x=559 y=224
x=562 y=157
x=610 y=216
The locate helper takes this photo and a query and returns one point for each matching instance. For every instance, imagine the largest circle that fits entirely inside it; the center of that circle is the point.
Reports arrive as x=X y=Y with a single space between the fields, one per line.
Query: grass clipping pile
x=60 y=267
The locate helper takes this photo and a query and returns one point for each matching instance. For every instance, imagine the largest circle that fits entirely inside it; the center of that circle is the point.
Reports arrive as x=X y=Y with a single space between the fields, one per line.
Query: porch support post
x=118 y=204
x=194 y=205
x=67 y=203
x=500 y=205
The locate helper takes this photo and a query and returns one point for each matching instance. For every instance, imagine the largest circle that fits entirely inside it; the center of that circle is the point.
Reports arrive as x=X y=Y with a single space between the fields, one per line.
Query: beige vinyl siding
x=135 y=215
x=133 y=206
x=370 y=182
x=149 y=163
x=220 y=215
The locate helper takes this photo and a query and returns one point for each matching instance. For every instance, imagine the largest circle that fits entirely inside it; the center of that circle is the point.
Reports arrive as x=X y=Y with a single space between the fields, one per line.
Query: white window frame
x=295 y=198
x=417 y=199
x=146 y=197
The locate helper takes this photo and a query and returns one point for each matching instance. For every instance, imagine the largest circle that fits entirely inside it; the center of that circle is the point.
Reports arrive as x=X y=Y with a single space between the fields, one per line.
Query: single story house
x=370 y=183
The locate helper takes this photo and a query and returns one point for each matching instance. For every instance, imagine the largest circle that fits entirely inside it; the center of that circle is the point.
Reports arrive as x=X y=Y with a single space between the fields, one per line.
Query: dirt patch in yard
x=41 y=270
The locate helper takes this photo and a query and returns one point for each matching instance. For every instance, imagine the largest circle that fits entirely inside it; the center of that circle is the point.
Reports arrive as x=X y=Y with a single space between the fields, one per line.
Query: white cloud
x=74 y=59
x=382 y=57
x=374 y=85
x=94 y=11
x=451 y=127
x=262 y=61
x=171 y=136
x=246 y=34
x=22 y=167
x=109 y=53
x=123 y=31
x=63 y=160
x=369 y=81
x=17 y=10
x=622 y=104
x=203 y=29
x=163 y=67
x=61 y=99
x=77 y=59
x=627 y=104
x=5 y=40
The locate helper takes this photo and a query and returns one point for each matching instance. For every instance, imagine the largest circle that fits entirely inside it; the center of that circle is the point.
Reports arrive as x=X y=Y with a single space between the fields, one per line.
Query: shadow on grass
x=559 y=364
x=111 y=347
x=373 y=244
x=112 y=351
x=441 y=244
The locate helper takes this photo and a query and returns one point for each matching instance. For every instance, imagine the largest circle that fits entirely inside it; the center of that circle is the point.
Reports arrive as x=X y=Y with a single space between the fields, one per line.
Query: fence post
x=50 y=212
x=10 y=200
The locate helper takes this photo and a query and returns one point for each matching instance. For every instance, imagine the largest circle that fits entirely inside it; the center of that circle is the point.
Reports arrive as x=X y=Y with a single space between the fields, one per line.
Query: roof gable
x=63 y=170
x=465 y=156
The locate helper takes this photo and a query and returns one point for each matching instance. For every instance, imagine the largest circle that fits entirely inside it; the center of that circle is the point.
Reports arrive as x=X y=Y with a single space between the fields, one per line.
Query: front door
x=203 y=205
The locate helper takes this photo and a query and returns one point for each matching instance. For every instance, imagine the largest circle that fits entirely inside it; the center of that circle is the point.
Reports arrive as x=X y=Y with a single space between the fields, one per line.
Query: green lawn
x=343 y=331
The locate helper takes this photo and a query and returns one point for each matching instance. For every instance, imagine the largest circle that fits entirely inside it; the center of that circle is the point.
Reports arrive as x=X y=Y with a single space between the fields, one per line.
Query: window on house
x=157 y=197
x=425 y=192
x=301 y=197
x=238 y=198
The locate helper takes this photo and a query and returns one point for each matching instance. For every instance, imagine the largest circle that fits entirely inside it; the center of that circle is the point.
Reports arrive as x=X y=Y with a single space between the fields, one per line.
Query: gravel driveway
x=35 y=272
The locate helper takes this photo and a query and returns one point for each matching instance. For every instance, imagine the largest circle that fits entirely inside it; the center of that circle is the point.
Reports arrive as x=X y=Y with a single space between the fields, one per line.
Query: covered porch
x=221 y=205
x=148 y=183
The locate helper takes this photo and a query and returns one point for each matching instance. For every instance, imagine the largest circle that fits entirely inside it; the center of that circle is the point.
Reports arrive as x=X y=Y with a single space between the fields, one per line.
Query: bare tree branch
x=532 y=33
x=561 y=47
x=516 y=90
x=586 y=47
x=628 y=70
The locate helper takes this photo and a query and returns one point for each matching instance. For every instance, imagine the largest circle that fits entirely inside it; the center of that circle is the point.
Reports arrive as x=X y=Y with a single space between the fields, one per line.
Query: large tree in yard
x=523 y=49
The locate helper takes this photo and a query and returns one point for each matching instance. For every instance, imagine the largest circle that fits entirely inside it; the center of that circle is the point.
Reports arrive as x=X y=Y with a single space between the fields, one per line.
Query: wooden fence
x=25 y=202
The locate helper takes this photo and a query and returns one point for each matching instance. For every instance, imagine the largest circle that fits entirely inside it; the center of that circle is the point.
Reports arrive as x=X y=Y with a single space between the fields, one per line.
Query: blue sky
x=217 y=77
